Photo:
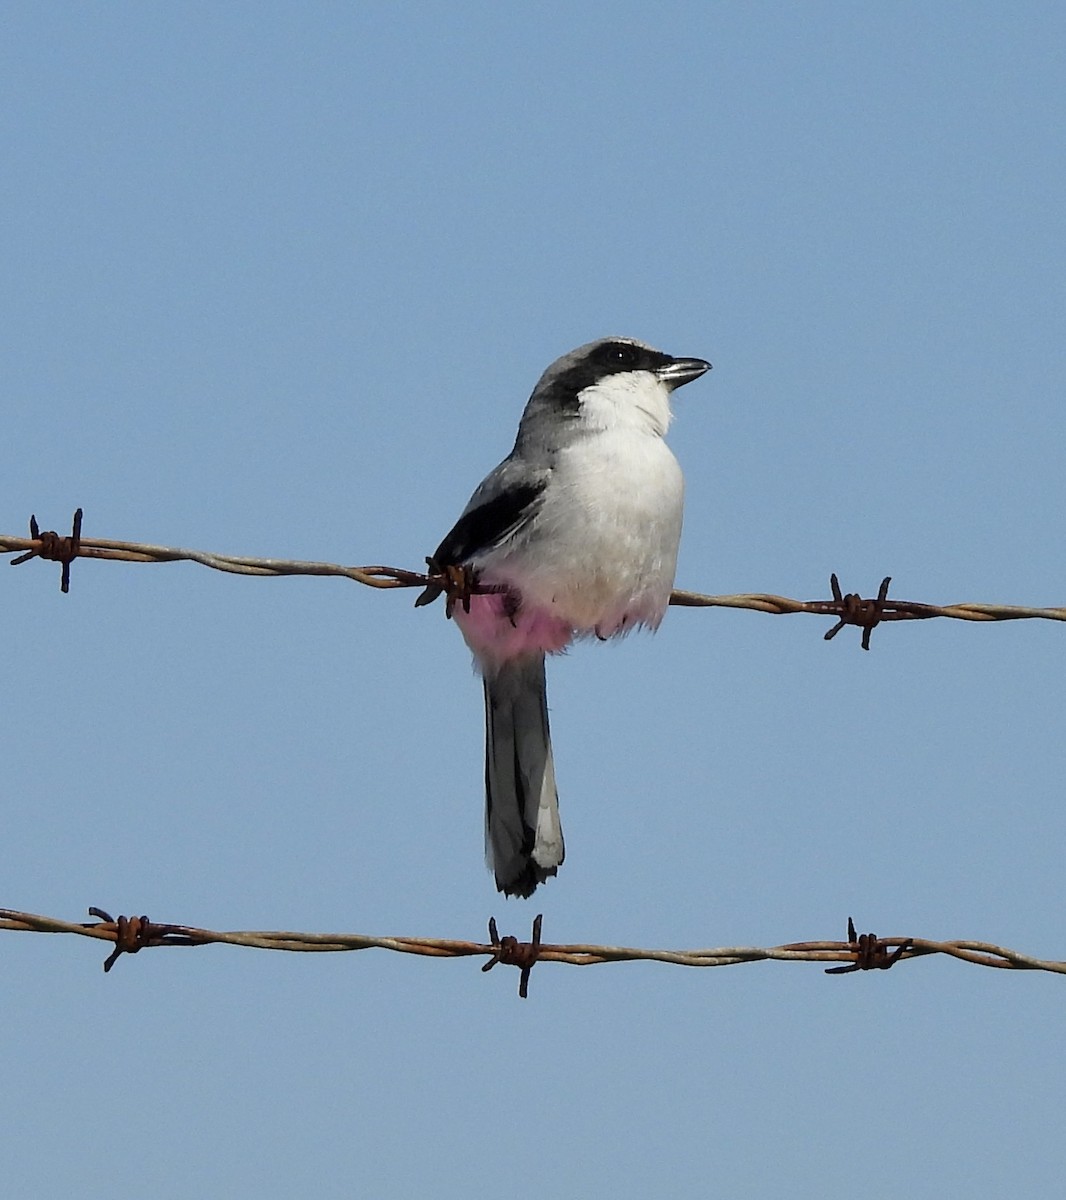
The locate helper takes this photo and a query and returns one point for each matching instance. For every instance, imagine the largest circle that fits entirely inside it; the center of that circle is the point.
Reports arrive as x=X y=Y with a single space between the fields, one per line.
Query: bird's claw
x=457 y=581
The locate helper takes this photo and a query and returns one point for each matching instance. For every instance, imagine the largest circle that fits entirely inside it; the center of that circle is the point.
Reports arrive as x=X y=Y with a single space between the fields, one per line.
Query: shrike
x=577 y=531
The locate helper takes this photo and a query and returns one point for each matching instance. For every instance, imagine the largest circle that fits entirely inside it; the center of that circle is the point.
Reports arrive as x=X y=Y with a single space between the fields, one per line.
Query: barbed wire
x=860 y=952
x=848 y=609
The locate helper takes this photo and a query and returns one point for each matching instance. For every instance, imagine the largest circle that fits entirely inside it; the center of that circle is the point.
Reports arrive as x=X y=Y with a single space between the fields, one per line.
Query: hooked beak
x=679 y=371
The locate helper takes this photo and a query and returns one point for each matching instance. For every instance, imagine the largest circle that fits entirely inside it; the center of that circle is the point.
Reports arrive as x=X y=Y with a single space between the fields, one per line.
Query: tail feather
x=523 y=836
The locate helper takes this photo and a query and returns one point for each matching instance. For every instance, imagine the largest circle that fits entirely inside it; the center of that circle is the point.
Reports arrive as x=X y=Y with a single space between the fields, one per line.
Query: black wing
x=488 y=523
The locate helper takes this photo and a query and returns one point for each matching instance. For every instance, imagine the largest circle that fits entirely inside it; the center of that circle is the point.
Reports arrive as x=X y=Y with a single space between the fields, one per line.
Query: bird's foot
x=457 y=581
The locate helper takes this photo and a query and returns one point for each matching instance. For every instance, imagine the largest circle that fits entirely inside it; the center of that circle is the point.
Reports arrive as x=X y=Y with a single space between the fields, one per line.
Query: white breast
x=602 y=551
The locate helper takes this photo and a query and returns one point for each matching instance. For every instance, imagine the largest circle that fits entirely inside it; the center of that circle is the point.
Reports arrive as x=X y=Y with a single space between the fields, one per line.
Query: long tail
x=523 y=836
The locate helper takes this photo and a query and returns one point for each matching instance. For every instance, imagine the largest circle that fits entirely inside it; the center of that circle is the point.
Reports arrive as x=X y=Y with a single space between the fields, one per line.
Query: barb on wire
x=134 y=933
x=871 y=953
x=130 y=935
x=51 y=546
x=857 y=611
x=515 y=953
x=849 y=609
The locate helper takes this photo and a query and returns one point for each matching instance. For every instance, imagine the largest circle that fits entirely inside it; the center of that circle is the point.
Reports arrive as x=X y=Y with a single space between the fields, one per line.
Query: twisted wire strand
x=980 y=953
x=129 y=935
x=397 y=577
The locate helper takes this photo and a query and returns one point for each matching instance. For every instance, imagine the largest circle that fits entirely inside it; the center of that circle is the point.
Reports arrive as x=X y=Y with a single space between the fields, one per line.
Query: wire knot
x=871 y=953
x=54 y=548
x=854 y=610
x=131 y=934
x=510 y=951
x=458 y=581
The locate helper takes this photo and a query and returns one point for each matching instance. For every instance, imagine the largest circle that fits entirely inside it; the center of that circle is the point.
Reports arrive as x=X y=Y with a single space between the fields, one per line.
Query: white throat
x=630 y=400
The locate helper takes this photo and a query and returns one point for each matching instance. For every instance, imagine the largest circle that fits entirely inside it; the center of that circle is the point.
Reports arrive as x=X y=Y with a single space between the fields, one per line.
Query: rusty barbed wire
x=864 y=952
x=515 y=953
x=51 y=546
x=847 y=609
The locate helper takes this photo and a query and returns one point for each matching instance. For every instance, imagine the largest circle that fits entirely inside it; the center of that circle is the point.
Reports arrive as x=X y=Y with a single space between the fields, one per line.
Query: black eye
x=622 y=356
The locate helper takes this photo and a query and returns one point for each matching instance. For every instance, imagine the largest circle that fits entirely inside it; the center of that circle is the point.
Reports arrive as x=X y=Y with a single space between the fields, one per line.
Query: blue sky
x=278 y=281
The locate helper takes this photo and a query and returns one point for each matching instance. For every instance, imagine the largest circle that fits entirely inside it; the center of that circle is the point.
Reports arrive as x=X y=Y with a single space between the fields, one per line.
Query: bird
x=574 y=535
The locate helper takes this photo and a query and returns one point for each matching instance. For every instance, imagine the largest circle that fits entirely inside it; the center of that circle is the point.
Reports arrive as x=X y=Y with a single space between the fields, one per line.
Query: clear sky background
x=278 y=280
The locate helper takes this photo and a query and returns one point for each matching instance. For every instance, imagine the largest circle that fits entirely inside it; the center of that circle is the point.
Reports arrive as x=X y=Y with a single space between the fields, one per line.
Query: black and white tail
x=523 y=836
